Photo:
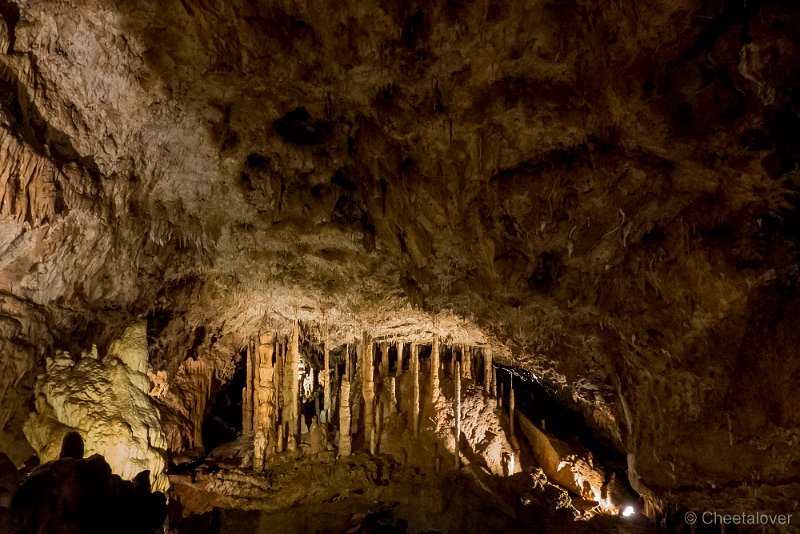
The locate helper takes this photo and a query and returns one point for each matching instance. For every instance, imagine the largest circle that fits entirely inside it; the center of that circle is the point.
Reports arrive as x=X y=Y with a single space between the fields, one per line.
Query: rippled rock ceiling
x=603 y=192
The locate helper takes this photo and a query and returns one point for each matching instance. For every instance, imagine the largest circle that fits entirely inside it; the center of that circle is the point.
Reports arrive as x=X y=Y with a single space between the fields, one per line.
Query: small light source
x=628 y=511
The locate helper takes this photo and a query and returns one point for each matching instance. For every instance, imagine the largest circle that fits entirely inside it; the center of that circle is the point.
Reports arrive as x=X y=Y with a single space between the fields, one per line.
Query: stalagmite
x=376 y=430
x=392 y=387
x=326 y=400
x=291 y=385
x=488 y=376
x=457 y=411
x=435 y=369
x=466 y=362
x=345 y=442
x=415 y=381
x=368 y=390
x=511 y=406
x=247 y=392
x=263 y=399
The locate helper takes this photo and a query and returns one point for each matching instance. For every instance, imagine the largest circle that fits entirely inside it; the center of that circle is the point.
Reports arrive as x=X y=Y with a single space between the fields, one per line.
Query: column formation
x=400 y=347
x=457 y=411
x=280 y=367
x=326 y=399
x=415 y=380
x=368 y=391
x=291 y=387
x=264 y=437
x=247 y=392
x=435 y=370
x=511 y=405
x=384 y=369
x=345 y=441
x=466 y=362
x=488 y=370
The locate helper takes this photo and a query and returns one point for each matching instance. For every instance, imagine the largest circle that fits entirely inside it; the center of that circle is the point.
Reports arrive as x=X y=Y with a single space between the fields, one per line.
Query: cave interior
x=424 y=266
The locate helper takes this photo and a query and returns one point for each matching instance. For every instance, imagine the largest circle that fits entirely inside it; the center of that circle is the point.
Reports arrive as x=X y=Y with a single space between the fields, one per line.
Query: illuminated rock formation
x=466 y=362
x=345 y=441
x=488 y=370
x=106 y=402
x=434 y=370
x=291 y=386
x=264 y=419
x=367 y=357
x=416 y=394
x=326 y=377
x=457 y=411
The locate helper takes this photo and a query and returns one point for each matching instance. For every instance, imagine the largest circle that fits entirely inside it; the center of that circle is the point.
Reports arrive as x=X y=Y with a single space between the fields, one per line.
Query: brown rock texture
x=603 y=194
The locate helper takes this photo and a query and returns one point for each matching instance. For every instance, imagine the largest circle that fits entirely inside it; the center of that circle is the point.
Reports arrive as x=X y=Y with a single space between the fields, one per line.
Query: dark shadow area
x=81 y=496
x=537 y=403
x=223 y=421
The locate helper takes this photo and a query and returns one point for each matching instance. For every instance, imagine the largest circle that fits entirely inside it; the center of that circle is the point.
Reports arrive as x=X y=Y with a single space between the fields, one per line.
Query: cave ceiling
x=603 y=192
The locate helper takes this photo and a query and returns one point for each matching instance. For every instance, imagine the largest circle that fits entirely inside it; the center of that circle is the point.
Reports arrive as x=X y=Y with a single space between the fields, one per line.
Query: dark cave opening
x=539 y=404
x=223 y=420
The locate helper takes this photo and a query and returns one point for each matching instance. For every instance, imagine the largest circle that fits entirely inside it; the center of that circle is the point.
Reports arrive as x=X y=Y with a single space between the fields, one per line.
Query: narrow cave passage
x=223 y=421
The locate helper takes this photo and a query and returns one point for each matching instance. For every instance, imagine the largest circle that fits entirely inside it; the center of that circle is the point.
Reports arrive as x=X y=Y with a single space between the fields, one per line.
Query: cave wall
x=604 y=192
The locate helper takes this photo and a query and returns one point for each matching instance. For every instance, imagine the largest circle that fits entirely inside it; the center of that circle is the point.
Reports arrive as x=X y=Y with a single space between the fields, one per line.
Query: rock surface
x=106 y=402
x=81 y=495
x=604 y=193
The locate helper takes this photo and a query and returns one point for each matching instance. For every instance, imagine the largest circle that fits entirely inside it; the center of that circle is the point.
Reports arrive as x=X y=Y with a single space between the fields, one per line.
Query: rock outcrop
x=81 y=495
x=106 y=401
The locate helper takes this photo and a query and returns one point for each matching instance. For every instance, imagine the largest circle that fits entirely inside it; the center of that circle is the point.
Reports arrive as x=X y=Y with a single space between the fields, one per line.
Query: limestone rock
x=105 y=401
x=567 y=467
x=603 y=193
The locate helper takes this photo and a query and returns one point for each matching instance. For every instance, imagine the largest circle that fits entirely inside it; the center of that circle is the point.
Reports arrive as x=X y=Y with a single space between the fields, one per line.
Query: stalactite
x=400 y=347
x=264 y=400
x=457 y=411
x=488 y=370
x=326 y=400
x=292 y=385
x=511 y=406
x=415 y=380
x=435 y=370
x=345 y=442
x=368 y=390
x=392 y=387
x=466 y=362
x=247 y=392
x=384 y=369
x=279 y=371
x=348 y=373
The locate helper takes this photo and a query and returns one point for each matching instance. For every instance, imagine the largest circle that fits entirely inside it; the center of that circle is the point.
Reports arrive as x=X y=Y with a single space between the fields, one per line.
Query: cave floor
x=364 y=493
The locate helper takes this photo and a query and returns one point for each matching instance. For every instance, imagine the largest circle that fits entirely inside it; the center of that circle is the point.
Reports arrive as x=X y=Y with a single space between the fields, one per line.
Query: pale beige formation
x=106 y=401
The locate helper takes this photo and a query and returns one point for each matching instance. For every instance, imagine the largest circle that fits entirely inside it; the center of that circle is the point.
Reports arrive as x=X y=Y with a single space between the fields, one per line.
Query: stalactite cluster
x=390 y=406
